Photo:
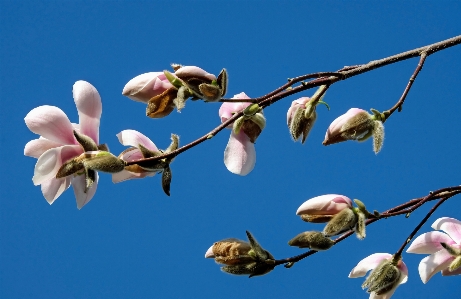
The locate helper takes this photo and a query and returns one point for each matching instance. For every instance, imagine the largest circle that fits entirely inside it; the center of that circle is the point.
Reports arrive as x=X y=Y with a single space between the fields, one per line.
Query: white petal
x=451 y=226
x=429 y=243
x=240 y=154
x=209 y=253
x=79 y=183
x=50 y=161
x=35 y=148
x=51 y=123
x=434 y=263
x=134 y=138
x=89 y=108
x=53 y=188
x=368 y=263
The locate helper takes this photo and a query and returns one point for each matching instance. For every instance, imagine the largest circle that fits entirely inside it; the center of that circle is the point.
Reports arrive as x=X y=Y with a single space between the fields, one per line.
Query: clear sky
x=132 y=241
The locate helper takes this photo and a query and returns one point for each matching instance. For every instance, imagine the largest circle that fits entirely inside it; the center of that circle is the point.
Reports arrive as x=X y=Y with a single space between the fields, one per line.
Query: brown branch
x=323 y=78
x=399 y=104
x=404 y=208
x=416 y=229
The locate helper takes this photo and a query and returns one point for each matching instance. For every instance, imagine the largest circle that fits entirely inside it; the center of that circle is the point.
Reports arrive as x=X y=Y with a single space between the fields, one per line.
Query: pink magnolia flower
x=430 y=243
x=240 y=153
x=329 y=204
x=384 y=289
x=133 y=138
x=146 y=86
x=57 y=143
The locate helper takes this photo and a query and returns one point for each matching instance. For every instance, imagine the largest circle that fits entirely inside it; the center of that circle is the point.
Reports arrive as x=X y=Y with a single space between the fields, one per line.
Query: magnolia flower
x=337 y=210
x=388 y=273
x=146 y=86
x=57 y=143
x=357 y=124
x=444 y=249
x=163 y=91
x=143 y=147
x=240 y=257
x=240 y=154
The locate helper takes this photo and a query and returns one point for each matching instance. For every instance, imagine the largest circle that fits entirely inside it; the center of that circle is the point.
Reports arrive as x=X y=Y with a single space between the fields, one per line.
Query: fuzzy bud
x=86 y=142
x=105 y=162
x=343 y=221
x=313 y=240
x=383 y=278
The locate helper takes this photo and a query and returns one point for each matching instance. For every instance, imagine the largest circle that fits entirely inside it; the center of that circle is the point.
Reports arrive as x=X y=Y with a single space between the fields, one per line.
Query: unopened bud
x=166 y=180
x=378 y=136
x=223 y=81
x=360 y=226
x=232 y=252
x=383 y=278
x=343 y=221
x=313 y=240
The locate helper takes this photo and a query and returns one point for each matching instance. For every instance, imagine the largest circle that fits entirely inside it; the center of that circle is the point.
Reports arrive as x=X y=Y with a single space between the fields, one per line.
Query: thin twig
x=399 y=104
x=413 y=233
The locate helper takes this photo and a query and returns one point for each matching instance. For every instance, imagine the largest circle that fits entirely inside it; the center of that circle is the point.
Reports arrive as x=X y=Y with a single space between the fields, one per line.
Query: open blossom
x=134 y=139
x=388 y=273
x=444 y=249
x=240 y=153
x=57 y=143
x=356 y=124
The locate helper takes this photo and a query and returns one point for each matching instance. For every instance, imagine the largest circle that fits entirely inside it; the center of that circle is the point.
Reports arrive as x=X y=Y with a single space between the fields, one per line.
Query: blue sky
x=132 y=241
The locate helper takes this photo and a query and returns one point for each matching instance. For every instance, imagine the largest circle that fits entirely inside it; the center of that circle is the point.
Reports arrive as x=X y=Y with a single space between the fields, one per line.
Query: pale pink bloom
x=240 y=153
x=329 y=204
x=194 y=71
x=134 y=139
x=371 y=262
x=146 y=86
x=299 y=103
x=341 y=129
x=57 y=143
x=429 y=243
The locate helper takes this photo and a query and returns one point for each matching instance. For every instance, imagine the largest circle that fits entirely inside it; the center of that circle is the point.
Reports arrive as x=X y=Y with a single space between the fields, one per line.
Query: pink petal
x=134 y=138
x=429 y=243
x=51 y=123
x=53 y=188
x=125 y=175
x=50 y=161
x=240 y=154
x=89 y=108
x=146 y=86
x=209 y=253
x=36 y=147
x=78 y=183
x=451 y=226
x=227 y=109
x=329 y=204
x=434 y=263
x=446 y=272
x=131 y=154
x=368 y=263
x=194 y=71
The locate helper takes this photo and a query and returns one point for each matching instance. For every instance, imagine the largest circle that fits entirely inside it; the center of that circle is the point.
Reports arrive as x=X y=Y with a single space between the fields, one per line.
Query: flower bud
x=313 y=240
x=343 y=221
x=230 y=252
x=357 y=124
x=323 y=208
x=86 y=142
x=105 y=162
x=146 y=86
x=301 y=118
x=383 y=278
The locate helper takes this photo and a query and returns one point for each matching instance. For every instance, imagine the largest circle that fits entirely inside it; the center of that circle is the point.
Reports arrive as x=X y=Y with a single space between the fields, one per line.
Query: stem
x=323 y=78
x=399 y=104
x=413 y=233
x=404 y=208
